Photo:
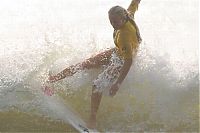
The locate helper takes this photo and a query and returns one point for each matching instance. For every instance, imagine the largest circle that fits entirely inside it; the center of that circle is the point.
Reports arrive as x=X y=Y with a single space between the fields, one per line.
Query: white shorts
x=109 y=75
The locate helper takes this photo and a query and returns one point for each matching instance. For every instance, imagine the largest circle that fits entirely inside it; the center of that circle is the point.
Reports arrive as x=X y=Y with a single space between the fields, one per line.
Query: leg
x=93 y=62
x=98 y=60
x=95 y=102
x=102 y=83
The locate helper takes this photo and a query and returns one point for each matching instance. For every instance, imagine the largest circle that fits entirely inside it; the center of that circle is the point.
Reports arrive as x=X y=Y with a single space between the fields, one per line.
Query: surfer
x=117 y=60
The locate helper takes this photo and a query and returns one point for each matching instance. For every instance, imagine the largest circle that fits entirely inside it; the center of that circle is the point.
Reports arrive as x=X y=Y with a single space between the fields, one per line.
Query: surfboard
x=67 y=114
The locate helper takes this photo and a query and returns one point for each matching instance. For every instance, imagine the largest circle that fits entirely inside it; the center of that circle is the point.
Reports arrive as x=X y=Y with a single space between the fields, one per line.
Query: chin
x=116 y=28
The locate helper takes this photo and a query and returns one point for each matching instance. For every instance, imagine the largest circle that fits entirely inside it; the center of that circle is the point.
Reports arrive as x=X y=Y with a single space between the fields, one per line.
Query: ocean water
x=160 y=93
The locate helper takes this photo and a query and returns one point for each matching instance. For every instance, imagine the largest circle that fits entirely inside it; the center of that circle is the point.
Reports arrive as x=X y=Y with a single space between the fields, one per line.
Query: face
x=116 y=21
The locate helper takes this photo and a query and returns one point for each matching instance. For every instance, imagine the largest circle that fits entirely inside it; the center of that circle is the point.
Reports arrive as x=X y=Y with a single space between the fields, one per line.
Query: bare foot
x=48 y=91
x=92 y=122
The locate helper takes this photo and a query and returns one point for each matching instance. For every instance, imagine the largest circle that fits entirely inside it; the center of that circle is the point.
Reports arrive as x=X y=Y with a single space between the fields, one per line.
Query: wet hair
x=119 y=11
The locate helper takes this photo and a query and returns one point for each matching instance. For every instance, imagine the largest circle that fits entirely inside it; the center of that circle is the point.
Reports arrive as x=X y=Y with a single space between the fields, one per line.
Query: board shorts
x=110 y=74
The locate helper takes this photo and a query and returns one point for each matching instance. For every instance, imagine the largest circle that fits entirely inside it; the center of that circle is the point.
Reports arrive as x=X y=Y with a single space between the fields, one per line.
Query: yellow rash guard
x=126 y=37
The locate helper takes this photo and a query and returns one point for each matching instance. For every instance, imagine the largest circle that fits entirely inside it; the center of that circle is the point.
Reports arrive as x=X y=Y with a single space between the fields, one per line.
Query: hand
x=113 y=90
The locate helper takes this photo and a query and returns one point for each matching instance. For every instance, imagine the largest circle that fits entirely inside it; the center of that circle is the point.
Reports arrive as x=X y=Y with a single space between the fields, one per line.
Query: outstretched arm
x=124 y=71
x=133 y=6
